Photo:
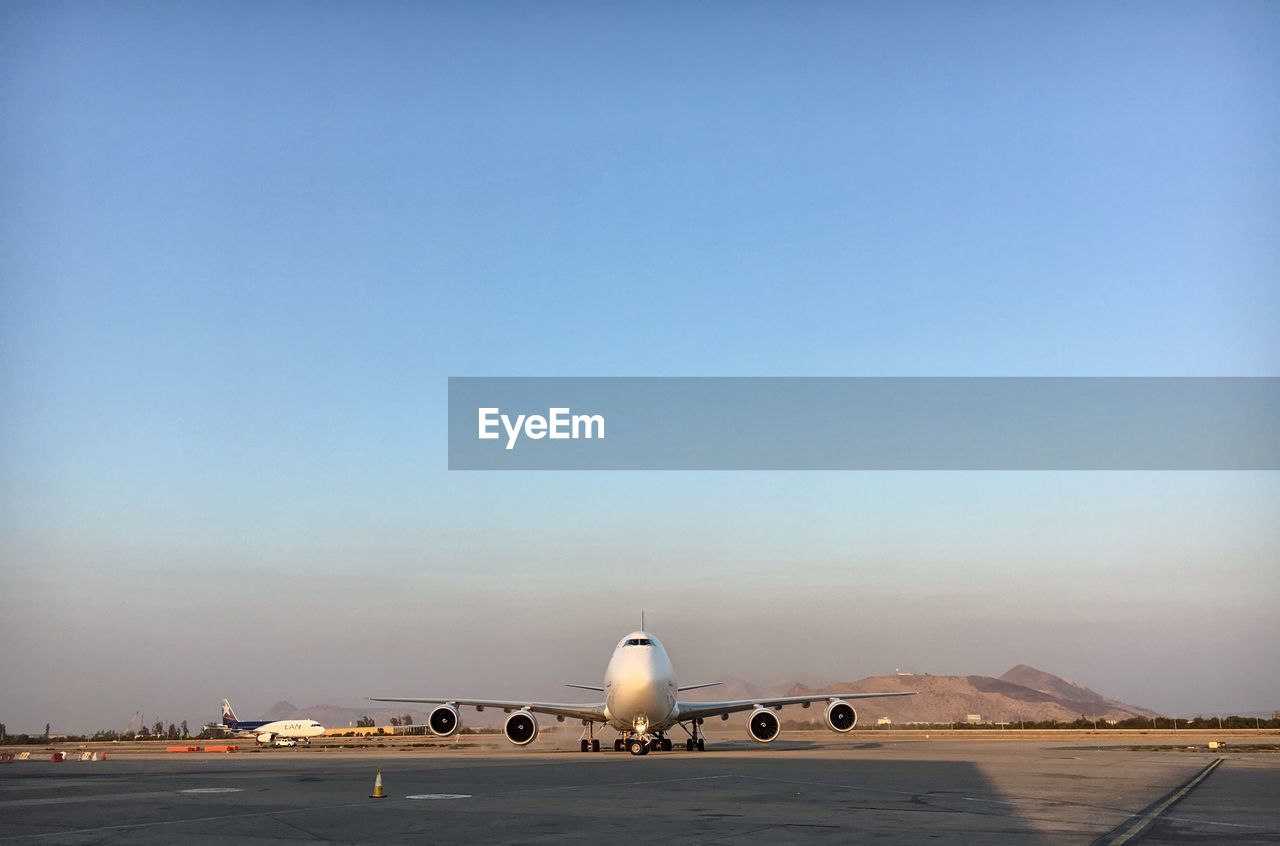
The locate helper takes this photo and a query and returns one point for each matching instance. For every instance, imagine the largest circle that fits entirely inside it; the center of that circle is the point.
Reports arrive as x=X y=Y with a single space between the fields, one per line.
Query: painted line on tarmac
x=1203 y=821
x=989 y=801
x=69 y=800
x=1138 y=825
x=52 y=784
x=607 y=784
x=157 y=823
x=886 y=790
x=213 y=790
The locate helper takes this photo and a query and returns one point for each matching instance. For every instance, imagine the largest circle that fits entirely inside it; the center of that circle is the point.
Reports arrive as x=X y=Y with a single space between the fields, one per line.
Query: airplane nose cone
x=636 y=699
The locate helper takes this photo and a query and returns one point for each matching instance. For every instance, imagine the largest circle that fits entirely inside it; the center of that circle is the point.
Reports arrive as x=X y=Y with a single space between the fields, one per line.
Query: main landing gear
x=590 y=743
x=695 y=741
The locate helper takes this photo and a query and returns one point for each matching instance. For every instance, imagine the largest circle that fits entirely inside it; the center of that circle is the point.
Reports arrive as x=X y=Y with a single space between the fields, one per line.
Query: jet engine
x=764 y=725
x=521 y=728
x=444 y=721
x=264 y=738
x=840 y=716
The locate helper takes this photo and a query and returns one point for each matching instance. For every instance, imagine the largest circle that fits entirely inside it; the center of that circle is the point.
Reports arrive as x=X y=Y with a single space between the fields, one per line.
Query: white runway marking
x=613 y=784
x=439 y=796
x=213 y=790
x=69 y=800
x=159 y=823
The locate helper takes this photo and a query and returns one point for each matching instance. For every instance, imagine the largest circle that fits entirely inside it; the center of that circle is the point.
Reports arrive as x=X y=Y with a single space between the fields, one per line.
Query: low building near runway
x=358 y=731
x=410 y=730
x=375 y=731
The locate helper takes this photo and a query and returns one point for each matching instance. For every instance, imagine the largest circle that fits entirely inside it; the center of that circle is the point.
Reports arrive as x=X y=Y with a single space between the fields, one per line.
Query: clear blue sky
x=243 y=245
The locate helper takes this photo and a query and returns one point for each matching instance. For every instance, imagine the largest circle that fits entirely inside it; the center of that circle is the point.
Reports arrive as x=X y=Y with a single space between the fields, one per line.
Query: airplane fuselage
x=640 y=686
x=298 y=729
x=265 y=730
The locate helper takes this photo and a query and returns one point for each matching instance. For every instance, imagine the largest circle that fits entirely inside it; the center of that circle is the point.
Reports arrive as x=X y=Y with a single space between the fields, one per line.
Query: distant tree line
x=180 y=731
x=381 y=731
x=159 y=731
x=1232 y=722
x=1131 y=723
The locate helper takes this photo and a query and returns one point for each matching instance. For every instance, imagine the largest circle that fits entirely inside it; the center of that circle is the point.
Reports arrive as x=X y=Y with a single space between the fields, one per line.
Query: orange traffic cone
x=377 y=787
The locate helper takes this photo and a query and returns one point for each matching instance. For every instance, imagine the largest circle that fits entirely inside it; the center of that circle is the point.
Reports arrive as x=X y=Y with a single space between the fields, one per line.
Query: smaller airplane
x=266 y=732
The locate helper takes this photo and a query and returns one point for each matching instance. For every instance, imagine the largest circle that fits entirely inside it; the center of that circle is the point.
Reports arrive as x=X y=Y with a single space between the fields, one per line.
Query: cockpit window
x=638 y=641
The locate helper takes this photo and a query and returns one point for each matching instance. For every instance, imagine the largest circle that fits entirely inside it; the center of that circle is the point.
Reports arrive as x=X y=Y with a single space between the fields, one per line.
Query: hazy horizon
x=243 y=247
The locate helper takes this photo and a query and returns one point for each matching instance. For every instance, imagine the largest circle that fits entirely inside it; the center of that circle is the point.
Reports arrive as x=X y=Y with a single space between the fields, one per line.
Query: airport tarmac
x=811 y=787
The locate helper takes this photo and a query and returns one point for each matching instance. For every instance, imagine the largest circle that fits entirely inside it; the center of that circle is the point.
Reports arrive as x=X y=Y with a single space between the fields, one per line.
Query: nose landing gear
x=640 y=745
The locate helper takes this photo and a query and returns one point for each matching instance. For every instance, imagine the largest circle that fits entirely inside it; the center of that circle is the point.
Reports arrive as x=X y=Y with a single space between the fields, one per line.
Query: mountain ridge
x=1021 y=693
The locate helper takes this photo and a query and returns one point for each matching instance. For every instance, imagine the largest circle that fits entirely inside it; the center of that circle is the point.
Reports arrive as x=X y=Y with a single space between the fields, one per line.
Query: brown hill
x=1065 y=689
x=953 y=698
x=731 y=688
x=1023 y=693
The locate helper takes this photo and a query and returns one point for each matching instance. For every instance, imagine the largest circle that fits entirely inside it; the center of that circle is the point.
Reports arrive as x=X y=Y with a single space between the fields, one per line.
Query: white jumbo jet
x=641 y=702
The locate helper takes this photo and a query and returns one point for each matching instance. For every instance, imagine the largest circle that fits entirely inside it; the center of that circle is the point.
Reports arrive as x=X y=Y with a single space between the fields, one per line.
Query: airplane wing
x=698 y=686
x=694 y=710
x=593 y=711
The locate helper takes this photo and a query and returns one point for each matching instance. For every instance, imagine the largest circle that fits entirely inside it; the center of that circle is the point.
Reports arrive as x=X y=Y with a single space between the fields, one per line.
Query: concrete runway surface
x=814 y=788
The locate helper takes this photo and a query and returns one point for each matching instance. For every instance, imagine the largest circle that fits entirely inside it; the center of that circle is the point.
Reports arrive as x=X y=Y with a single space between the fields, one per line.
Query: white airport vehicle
x=267 y=731
x=641 y=702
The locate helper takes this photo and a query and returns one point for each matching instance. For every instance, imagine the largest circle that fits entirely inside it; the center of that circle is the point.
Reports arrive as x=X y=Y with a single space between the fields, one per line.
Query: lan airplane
x=641 y=702
x=266 y=731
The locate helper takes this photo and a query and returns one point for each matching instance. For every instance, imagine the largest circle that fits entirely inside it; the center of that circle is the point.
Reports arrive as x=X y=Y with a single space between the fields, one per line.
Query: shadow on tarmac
x=669 y=798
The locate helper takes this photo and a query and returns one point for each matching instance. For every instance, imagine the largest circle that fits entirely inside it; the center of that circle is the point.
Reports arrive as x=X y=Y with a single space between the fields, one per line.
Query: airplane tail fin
x=228 y=715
